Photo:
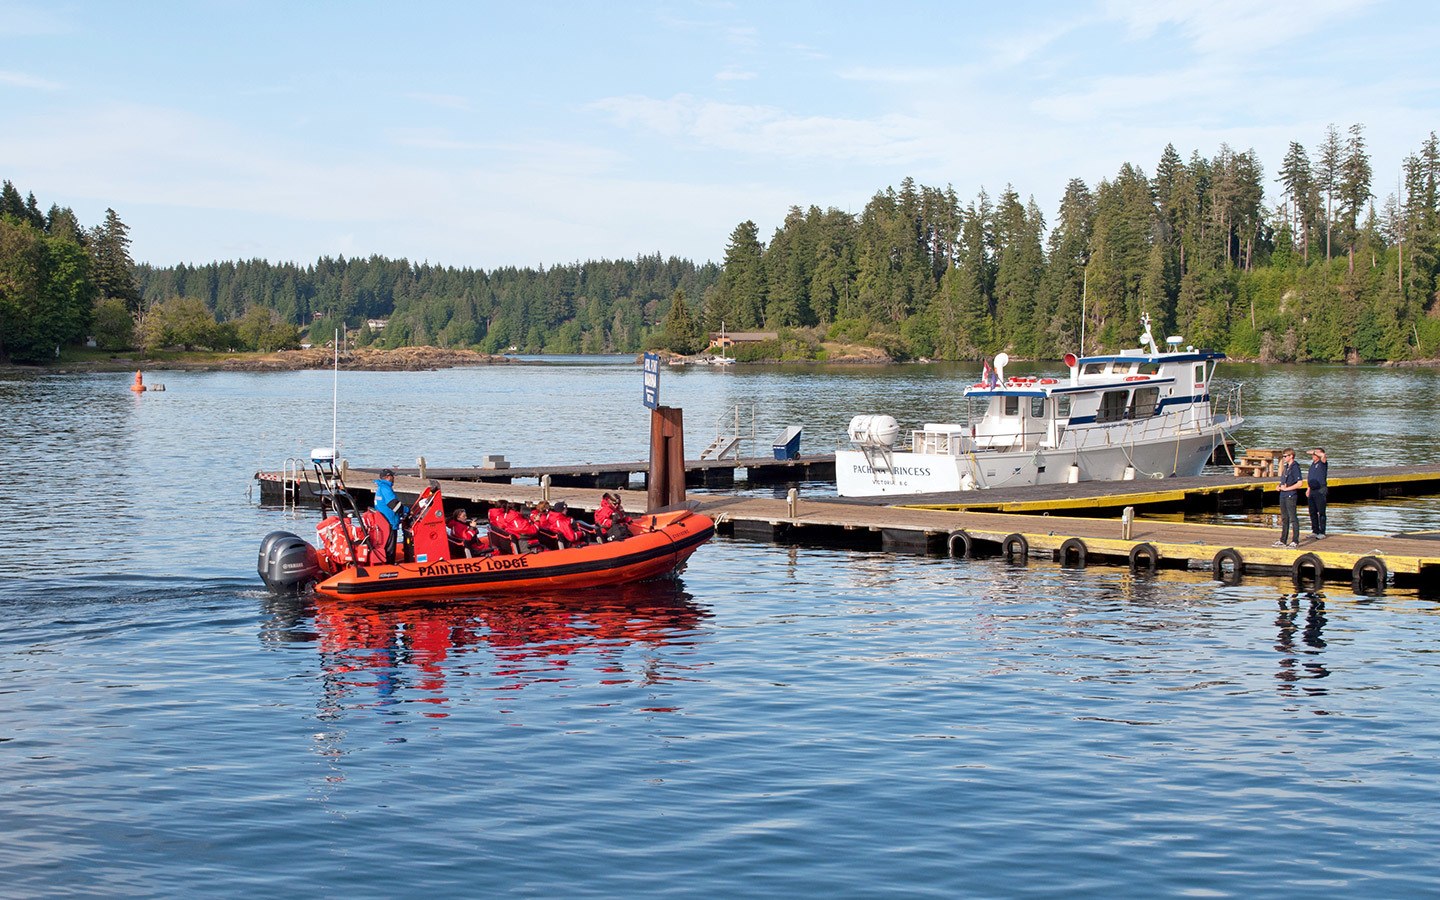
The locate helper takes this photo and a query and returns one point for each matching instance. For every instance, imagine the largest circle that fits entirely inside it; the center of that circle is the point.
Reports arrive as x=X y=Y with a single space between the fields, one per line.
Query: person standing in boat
x=1317 y=490
x=391 y=508
x=1290 y=484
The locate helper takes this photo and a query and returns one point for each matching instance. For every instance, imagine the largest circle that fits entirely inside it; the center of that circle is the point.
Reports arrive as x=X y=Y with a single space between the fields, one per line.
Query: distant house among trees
x=377 y=324
x=723 y=340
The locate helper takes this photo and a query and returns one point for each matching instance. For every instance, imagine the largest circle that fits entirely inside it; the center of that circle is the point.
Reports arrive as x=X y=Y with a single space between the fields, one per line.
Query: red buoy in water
x=139 y=385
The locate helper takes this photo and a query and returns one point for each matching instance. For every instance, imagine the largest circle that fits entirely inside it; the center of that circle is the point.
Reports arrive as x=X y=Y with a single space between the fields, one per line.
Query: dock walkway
x=698 y=472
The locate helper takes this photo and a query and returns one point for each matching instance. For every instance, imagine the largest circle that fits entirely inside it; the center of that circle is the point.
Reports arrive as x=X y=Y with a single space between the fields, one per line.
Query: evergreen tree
x=739 y=301
x=1327 y=178
x=1354 y=186
x=1295 y=176
x=113 y=268
x=682 y=332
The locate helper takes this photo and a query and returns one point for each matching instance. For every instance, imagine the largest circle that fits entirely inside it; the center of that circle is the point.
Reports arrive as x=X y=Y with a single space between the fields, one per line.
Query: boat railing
x=1231 y=400
x=946 y=441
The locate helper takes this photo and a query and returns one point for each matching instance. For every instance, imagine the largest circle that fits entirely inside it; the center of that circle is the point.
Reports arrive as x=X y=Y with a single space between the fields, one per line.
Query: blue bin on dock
x=788 y=446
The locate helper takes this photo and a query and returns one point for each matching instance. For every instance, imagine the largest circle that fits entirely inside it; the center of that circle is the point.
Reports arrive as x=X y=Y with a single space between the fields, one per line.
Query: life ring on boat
x=1146 y=553
x=1368 y=575
x=1049 y=381
x=1236 y=563
x=966 y=547
x=1137 y=377
x=1073 y=547
x=1016 y=549
x=1314 y=564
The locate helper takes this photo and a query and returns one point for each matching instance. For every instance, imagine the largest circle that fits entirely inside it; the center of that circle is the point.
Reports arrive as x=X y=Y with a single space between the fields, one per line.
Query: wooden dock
x=1227 y=551
x=698 y=472
x=1007 y=525
x=1208 y=493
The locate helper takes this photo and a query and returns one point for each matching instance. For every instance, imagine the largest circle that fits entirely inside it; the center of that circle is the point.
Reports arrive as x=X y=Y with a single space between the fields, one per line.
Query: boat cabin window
x=1200 y=374
x=1037 y=407
x=1113 y=405
x=1151 y=368
x=1094 y=368
x=1062 y=407
x=1146 y=398
x=1012 y=406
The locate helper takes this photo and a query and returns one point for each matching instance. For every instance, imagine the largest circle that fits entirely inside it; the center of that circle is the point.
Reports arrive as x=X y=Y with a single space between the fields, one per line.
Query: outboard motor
x=288 y=563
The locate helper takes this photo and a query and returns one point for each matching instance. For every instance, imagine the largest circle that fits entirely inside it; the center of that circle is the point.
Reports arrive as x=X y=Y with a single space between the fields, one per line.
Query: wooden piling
x=666 y=486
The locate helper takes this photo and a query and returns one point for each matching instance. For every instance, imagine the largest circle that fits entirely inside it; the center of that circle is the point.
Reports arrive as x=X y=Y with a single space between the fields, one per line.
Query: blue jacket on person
x=385 y=502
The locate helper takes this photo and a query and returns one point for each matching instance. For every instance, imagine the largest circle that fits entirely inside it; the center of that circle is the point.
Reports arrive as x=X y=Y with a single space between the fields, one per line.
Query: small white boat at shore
x=1142 y=413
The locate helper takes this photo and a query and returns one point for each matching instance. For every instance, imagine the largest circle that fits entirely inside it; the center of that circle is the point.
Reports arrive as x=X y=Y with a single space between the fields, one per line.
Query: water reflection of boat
x=390 y=648
x=1142 y=413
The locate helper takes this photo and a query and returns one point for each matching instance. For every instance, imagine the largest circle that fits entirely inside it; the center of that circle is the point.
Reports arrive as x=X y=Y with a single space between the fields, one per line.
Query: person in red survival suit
x=518 y=525
x=500 y=539
x=557 y=529
x=611 y=519
x=464 y=539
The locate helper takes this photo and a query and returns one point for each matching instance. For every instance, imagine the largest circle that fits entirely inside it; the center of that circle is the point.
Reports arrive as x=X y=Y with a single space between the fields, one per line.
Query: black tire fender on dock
x=960 y=539
x=1307 y=561
x=1237 y=563
x=1075 y=547
x=1148 y=554
x=1016 y=549
x=1367 y=567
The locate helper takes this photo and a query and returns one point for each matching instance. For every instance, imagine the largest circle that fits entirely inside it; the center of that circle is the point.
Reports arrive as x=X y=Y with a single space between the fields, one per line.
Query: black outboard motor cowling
x=288 y=563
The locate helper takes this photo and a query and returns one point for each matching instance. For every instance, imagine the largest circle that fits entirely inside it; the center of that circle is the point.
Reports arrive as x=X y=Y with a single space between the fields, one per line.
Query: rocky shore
x=365 y=359
x=403 y=359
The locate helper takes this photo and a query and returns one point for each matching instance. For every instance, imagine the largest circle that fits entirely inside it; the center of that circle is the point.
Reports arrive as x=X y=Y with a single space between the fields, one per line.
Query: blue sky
x=494 y=134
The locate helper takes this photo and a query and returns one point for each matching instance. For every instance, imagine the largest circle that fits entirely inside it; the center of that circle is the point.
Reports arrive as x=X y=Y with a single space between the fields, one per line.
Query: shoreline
x=417 y=359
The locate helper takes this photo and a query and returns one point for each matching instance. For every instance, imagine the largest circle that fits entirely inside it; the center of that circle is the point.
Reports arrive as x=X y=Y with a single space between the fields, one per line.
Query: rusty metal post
x=667 y=457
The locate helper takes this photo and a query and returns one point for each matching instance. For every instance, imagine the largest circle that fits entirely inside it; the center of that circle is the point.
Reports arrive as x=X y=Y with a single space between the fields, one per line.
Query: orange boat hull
x=662 y=549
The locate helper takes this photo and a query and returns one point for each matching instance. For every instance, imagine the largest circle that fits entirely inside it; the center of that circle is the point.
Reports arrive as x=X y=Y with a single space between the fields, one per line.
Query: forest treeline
x=1319 y=271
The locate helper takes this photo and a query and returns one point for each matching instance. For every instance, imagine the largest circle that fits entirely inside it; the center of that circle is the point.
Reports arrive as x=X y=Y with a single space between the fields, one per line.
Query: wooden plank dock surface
x=698 y=472
x=1200 y=491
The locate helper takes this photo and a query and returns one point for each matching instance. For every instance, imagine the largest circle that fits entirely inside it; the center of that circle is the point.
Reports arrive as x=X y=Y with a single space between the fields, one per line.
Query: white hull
x=903 y=472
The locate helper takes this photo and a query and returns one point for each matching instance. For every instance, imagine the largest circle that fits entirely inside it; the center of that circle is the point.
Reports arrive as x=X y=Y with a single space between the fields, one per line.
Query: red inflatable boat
x=349 y=561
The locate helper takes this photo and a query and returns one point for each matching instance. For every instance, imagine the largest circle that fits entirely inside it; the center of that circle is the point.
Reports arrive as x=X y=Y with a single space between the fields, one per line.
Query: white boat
x=1143 y=413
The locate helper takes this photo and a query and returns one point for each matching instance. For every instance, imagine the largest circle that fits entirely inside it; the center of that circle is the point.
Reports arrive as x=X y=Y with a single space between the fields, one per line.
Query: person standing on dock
x=1290 y=483
x=1317 y=489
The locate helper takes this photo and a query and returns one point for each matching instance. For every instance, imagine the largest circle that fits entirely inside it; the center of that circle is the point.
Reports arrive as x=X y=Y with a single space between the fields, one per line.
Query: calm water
x=778 y=721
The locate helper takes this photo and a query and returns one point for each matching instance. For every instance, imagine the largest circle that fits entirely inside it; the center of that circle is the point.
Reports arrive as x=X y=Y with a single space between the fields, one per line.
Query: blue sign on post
x=652 y=380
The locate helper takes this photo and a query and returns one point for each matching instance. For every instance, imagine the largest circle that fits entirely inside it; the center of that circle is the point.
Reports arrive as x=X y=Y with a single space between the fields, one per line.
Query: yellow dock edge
x=1144 y=497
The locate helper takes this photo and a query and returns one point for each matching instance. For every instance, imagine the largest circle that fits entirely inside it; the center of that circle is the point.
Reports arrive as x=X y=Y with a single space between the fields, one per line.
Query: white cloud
x=24 y=20
x=22 y=80
x=442 y=101
x=1232 y=27
x=767 y=131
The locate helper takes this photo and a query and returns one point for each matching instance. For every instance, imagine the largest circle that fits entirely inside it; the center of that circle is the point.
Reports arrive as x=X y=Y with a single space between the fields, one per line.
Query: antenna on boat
x=335 y=397
x=1146 y=337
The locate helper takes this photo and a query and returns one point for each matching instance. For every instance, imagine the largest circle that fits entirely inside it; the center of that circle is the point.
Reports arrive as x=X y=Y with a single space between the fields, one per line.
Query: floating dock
x=1200 y=493
x=698 y=472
